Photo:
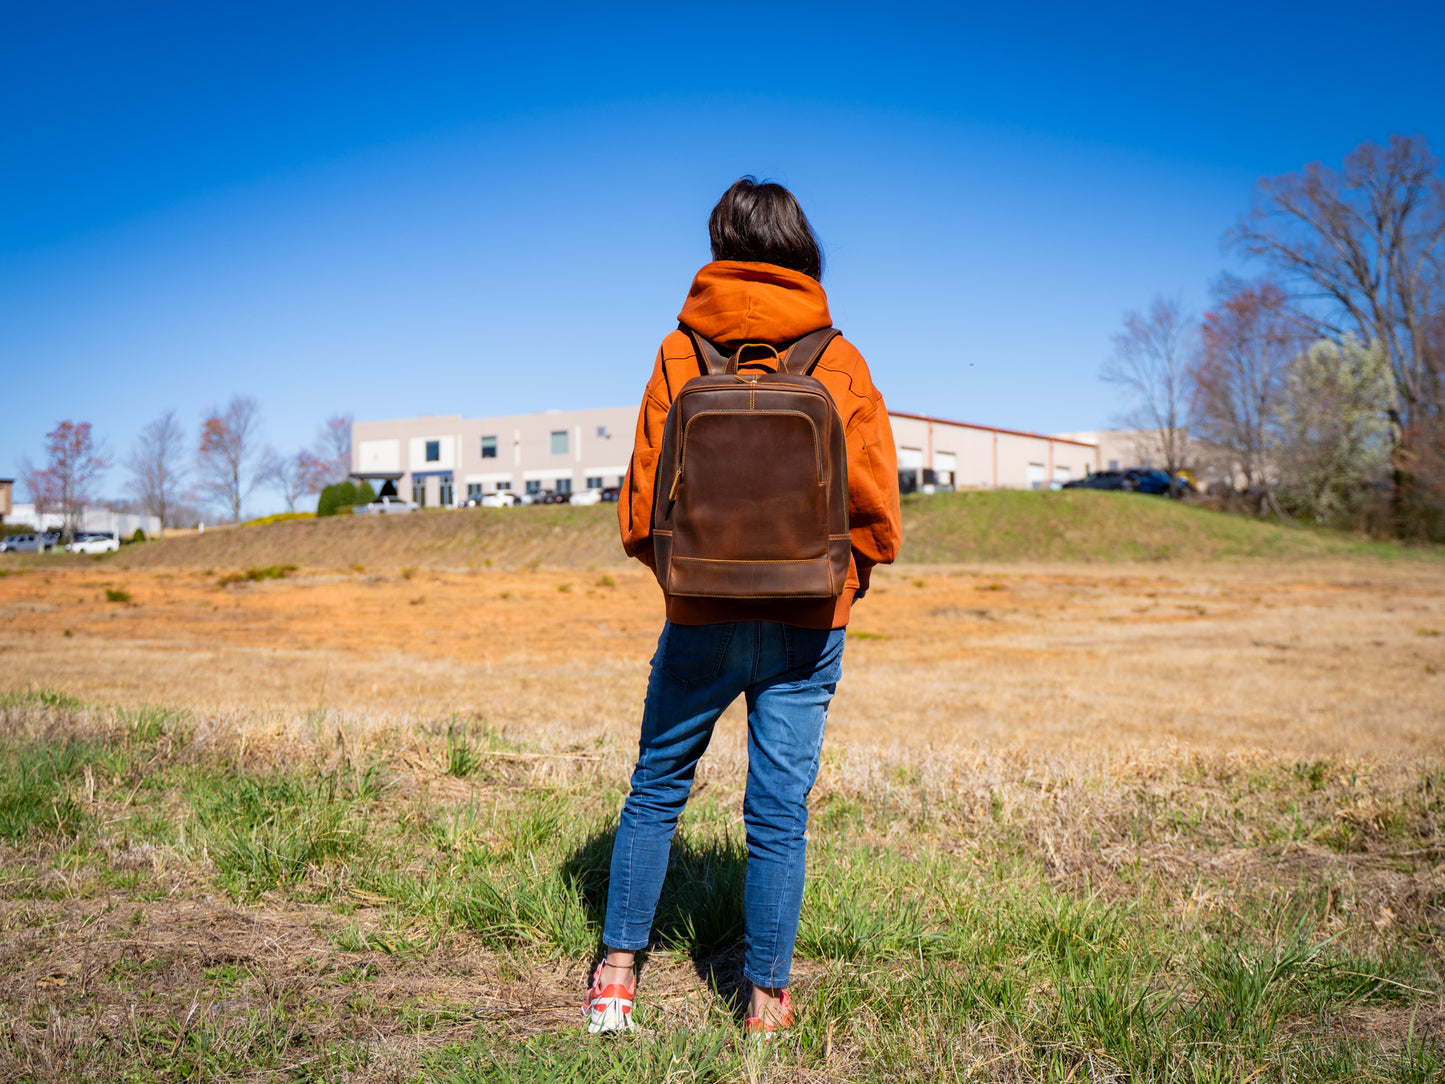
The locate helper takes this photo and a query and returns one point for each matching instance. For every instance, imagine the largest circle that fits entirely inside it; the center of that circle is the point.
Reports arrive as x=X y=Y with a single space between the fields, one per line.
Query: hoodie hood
x=733 y=301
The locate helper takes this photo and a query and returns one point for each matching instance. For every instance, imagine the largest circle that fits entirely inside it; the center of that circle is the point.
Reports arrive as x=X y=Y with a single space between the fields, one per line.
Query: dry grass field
x=1319 y=659
x=1076 y=822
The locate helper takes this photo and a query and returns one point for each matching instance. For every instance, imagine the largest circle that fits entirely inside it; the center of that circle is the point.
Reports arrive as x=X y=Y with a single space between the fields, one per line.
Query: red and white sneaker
x=764 y=1030
x=609 y=1008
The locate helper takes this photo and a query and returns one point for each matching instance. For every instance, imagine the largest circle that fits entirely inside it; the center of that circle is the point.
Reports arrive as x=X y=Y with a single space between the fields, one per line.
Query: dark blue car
x=1133 y=480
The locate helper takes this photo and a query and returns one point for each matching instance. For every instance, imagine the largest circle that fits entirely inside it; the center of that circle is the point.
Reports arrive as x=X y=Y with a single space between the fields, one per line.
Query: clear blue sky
x=393 y=210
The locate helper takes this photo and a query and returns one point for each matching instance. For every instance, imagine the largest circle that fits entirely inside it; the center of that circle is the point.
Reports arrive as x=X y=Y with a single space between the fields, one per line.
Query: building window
x=503 y=487
x=602 y=432
x=474 y=491
x=1113 y=464
x=594 y=483
x=433 y=451
x=446 y=493
x=564 y=485
x=559 y=442
x=418 y=492
x=534 y=487
x=489 y=447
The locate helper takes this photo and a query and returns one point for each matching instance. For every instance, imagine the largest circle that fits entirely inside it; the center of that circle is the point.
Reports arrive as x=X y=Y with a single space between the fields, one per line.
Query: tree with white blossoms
x=1335 y=431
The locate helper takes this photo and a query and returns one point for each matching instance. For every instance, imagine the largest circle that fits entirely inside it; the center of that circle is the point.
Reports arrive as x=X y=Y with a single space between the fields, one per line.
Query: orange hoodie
x=732 y=302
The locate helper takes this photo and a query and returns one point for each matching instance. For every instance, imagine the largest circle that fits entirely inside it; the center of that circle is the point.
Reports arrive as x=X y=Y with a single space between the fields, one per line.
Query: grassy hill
x=1088 y=525
x=460 y=538
x=986 y=527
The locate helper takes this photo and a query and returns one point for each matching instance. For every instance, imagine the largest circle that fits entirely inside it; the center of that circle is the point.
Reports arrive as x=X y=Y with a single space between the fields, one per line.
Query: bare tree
x=1151 y=364
x=1363 y=250
x=286 y=473
x=1247 y=344
x=73 y=462
x=37 y=482
x=329 y=459
x=228 y=460
x=157 y=468
x=1420 y=461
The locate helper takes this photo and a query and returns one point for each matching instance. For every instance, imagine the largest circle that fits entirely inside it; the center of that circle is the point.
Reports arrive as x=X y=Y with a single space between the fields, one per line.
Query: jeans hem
x=770 y=983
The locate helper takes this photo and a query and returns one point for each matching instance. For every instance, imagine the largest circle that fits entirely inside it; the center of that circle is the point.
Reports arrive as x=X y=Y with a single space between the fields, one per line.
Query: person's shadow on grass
x=700 y=911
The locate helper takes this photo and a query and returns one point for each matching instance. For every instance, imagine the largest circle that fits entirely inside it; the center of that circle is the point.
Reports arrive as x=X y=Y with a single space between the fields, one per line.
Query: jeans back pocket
x=694 y=654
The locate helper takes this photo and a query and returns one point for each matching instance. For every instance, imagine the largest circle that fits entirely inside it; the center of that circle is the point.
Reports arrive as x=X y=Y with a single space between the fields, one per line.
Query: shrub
x=279 y=517
x=256 y=573
x=139 y=536
x=343 y=495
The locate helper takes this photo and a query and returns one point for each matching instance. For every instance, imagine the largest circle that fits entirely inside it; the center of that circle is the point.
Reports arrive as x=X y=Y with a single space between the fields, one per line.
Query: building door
x=910 y=469
x=945 y=465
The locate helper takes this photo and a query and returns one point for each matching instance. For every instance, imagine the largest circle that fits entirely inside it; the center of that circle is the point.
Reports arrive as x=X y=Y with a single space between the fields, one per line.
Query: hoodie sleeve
x=874 y=518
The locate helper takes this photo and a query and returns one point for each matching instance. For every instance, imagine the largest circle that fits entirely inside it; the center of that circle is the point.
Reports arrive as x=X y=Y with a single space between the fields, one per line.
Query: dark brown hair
x=763 y=223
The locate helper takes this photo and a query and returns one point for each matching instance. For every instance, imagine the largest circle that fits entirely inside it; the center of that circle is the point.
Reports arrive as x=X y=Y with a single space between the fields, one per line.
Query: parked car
x=500 y=499
x=553 y=496
x=93 y=542
x=1152 y=481
x=1132 y=480
x=30 y=543
x=587 y=496
x=1106 y=479
x=612 y=493
x=383 y=506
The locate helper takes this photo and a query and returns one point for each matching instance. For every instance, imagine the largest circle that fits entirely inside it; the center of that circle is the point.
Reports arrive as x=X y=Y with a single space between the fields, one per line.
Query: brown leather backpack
x=751 y=495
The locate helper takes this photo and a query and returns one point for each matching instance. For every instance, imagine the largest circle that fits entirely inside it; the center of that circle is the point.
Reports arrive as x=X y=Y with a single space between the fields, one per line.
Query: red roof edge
x=990 y=428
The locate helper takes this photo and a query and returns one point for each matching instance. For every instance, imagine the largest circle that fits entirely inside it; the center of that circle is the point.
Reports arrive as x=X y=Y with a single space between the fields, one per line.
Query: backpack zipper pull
x=677 y=481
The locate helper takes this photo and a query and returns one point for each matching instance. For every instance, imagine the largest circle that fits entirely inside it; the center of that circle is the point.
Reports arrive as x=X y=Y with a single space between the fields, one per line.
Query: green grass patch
x=20 y=700
x=36 y=796
x=274 y=831
x=948 y=932
x=705 y=1057
x=256 y=573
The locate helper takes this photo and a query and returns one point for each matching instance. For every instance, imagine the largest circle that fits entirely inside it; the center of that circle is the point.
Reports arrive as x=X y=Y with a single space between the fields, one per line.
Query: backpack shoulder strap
x=803 y=355
x=710 y=360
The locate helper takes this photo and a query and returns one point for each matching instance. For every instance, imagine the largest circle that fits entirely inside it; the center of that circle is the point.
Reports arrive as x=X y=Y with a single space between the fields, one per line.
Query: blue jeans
x=788 y=675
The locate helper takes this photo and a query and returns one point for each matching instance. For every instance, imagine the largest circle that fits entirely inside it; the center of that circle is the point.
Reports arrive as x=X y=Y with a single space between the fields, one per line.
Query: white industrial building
x=99 y=520
x=442 y=460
